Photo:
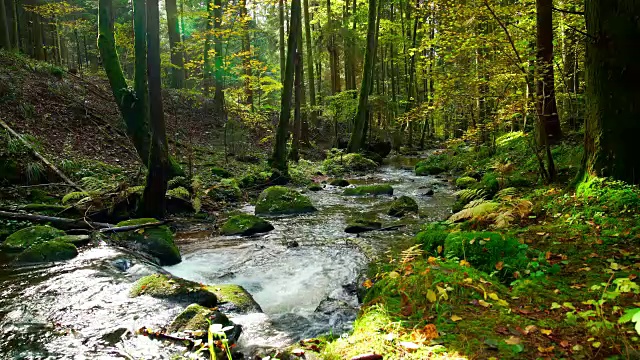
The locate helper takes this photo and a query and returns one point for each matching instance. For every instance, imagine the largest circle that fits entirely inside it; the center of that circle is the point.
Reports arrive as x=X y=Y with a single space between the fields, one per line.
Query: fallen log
x=77 y=226
x=40 y=157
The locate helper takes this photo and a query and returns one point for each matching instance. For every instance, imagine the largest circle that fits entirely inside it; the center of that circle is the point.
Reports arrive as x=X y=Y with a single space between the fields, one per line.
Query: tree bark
x=297 y=121
x=333 y=53
x=246 y=49
x=153 y=197
x=38 y=46
x=279 y=158
x=175 y=45
x=218 y=98
x=206 y=79
x=613 y=74
x=5 y=38
x=281 y=43
x=357 y=136
x=545 y=89
x=312 y=90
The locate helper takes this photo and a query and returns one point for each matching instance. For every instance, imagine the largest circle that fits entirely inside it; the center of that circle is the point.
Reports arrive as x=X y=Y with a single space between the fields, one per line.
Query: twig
x=581 y=13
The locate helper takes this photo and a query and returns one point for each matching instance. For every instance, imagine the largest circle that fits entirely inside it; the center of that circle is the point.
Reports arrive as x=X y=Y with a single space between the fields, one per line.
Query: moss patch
x=48 y=252
x=339 y=182
x=235 y=298
x=226 y=190
x=433 y=165
x=402 y=206
x=155 y=241
x=246 y=225
x=338 y=164
x=196 y=317
x=279 y=200
x=383 y=189
x=163 y=286
x=22 y=239
x=465 y=182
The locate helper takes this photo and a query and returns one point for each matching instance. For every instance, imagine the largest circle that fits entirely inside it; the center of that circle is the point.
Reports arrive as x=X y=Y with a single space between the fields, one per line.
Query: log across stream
x=81 y=308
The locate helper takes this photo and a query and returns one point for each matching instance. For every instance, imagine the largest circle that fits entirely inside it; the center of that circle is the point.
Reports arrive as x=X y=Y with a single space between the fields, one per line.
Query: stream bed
x=304 y=275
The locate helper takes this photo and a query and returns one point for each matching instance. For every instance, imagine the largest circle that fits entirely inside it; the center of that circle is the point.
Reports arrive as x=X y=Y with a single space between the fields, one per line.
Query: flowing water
x=303 y=274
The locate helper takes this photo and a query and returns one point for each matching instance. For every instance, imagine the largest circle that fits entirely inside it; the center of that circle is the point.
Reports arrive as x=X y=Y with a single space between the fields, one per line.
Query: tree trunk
x=613 y=74
x=207 y=76
x=218 y=98
x=357 y=136
x=246 y=49
x=545 y=89
x=38 y=46
x=175 y=45
x=279 y=158
x=153 y=198
x=5 y=38
x=297 y=121
x=333 y=53
x=312 y=90
x=281 y=43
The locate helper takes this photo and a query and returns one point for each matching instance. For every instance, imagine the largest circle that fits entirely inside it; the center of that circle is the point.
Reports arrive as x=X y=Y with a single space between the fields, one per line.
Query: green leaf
x=630 y=315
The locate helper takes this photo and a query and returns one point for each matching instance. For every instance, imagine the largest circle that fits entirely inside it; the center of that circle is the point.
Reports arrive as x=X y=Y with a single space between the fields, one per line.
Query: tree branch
x=506 y=31
x=581 y=13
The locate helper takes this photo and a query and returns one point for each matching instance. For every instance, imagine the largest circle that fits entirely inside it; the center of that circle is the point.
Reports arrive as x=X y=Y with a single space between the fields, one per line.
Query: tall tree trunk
x=246 y=49
x=281 y=43
x=279 y=158
x=175 y=45
x=357 y=136
x=333 y=53
x=16 y=24
x=38 y=40
x=5 y=38
x=412 y=93
x=613 y=74
x=545 y=90
x=218 y=98
x=297 y=121
x=153 y=197
x=207 y=69
x=312 y=90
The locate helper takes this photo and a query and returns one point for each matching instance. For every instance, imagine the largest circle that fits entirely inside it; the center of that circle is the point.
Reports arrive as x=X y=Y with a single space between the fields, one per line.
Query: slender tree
x=613 y=74
x=312 y=90
x=279 y=158
x=5 y=39
x=207 y=69
x=281 y=42
x=246 y=49
x=547 y=109
x=175 y=45
x=357 y=136
x=218 y=98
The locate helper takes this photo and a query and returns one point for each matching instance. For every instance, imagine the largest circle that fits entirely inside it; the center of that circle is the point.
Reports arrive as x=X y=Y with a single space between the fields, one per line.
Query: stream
x=304 y=275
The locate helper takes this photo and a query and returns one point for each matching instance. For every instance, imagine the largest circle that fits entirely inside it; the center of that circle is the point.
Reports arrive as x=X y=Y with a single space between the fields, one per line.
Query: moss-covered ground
x=549 y=271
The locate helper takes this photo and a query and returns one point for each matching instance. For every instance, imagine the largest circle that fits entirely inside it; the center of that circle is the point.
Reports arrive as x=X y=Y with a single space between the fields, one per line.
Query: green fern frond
x=468 y=195
x=475 y=203
x=506 y=193
x=135 y=190
x=180 y=193
x=74 y=196
x=177 y=181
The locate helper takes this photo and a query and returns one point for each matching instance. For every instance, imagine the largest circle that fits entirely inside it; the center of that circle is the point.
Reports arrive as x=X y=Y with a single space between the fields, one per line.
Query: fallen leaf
x=298 y=352
x=484 y=303
x=564 y=343
x=513 y=341
x=464 y=263
x=432 y=260
x=499 y=265
x=546 y=331
x=431 y=295
x=596 y=344
x=367 y=284
x=430 y=331
x=455 y=318
x=439 y=249
x=530 y=329
x=494 y=296
x=546 y=350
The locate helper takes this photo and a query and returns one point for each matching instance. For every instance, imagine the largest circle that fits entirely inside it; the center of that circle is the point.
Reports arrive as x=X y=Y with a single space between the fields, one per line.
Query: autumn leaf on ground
x=513 y=341
x=431 y=295
x=409 y=346
x=432 y=260
x=455 y=318
x=530 y=329
x=546 y=331
x=465 y=263
x=367 y=284
x=484 y=303
x=546 y=349
x=499 y=265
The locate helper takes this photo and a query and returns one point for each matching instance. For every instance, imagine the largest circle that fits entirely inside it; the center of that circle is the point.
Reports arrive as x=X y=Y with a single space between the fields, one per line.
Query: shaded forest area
x=118 y=118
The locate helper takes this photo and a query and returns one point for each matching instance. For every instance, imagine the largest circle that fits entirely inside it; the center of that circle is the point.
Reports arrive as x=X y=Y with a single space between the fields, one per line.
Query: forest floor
x=538 y=271
x=521 y=270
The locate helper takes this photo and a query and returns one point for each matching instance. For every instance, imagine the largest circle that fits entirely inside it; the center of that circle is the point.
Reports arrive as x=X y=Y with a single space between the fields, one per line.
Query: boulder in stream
x=154 y=241
x=279 y=200
x=383 y=189
x=402 y=206
x=48 y=251
x=339 y=182
x=32 y=235
x=359 y=225
x=162 y=286
x=245 y=225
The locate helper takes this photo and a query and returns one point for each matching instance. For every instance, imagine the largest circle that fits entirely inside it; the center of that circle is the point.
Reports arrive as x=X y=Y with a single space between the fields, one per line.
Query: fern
x=135 y=190
x=468 y=195
x=506 y=194
x=178 y=181
x=180 y=193
x=475 y=203
x=475 y=209
x=91 y=183
x=74 y=196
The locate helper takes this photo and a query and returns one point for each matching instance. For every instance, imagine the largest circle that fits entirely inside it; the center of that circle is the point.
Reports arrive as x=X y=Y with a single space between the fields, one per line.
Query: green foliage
x=34 y=172
x=75 y=196
x=490 y=252
x=490 y=184
x=432 y=237
x=179 y=192
x=465 y=182
x=433 y=165
x=227 y=190
x=610 y=195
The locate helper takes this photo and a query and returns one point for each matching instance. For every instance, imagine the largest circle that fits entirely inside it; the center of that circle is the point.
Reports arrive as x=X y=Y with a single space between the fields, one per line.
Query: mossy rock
x=383 y=189
x=489 y=183
x=220 y=172
x=172 y=288
x=314 y=187
x=359 y=225
x=339 y=182
x=465 y=182
x=77 y=240
x=48 y=251
x=356 y=163
x=226 y=190
x=46 y=209
x=32 y=235
x=373 y=157
x=426 y=170
x=257 y=180
x=234 y=298
x=155 y=241
x=279 y=200
x=402 y=206
x=245 y=225
x=518 y=181
x=196 y=317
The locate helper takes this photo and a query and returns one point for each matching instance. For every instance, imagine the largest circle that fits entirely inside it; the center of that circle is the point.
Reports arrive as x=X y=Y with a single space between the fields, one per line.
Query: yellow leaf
x=464 y=263
x=546 y=331
x=431 y=260
x=394 y=275
x=494 y=296
x=529 y=329
x=596 y=344
x=468 y=280
x=503 y=303
x=546 y=350
x=440 y=249
x=513 y=341
x=367 y=284
x=455 y=318
x=484 y=303
x=431 y=295
x=499 y=265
